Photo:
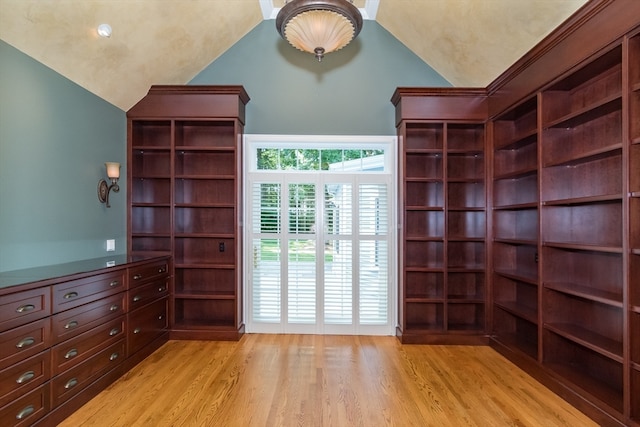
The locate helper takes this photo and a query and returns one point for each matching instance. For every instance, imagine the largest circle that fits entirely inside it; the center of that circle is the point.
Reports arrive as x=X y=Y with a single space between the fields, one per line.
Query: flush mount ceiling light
x=319 y=26
x=104 y=30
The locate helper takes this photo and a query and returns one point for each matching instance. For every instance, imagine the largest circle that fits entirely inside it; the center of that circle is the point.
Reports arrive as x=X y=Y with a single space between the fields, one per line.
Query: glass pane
x=268 y=158
x=308 y=160
x=330 y=157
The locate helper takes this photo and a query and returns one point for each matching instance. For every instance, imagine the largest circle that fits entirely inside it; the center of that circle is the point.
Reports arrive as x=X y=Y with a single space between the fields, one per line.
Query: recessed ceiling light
x=104 y=30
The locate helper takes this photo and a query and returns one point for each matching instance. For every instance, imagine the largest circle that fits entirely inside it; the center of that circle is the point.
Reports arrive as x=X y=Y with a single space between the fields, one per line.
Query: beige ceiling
x=469 y=42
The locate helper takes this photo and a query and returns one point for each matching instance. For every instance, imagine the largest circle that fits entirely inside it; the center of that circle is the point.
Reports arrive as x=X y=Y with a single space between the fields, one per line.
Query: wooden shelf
x=524 y=312
x=205 y=149
x=610 y=396
x=590 y=112
x=520 y=173
x=592 y=294
x=588 y=156
x=528 y=242
x=606 y=198
x=515 y=275
x=515 y=342
x=519 y=141
x=424 y=300
x=518 y=206
x=204 y=295
x=605 y=346
x=436 y=151
x=583 y=247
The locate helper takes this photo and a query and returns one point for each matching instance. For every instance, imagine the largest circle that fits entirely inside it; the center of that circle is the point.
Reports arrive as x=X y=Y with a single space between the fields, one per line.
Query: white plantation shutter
x=373 y=266
x=266 y=251
x=338 y=269
x=301 y=286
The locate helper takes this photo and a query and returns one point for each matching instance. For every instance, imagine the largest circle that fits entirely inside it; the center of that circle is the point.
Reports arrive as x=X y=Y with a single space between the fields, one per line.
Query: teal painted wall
x=54 y=139
x=348 y=93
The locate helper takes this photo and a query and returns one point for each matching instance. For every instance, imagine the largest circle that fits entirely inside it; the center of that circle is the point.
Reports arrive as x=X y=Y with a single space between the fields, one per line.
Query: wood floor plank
x=312 y=380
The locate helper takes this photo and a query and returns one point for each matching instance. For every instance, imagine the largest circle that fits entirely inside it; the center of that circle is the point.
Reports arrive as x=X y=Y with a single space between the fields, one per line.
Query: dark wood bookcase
x=515 y=228
x=443 y=222
x=185 y=192
x=562 y=133
x=581 y=180
x=633 y=200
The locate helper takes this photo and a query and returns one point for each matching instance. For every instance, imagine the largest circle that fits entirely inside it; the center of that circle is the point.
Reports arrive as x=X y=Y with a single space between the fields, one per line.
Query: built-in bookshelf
x=185 y=194
x=516 y=228
x=582 y=228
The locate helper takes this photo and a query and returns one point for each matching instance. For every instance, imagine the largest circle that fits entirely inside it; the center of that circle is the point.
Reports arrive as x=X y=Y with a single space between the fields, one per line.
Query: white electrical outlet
x=111 y=245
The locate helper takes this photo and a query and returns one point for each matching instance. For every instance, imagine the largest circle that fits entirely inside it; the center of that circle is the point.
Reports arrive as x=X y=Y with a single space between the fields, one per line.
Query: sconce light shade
x=319 y=26
x=113 y=172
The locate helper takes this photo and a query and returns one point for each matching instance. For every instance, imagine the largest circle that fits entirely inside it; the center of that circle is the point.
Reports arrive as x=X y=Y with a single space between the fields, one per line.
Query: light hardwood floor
x=310 y=380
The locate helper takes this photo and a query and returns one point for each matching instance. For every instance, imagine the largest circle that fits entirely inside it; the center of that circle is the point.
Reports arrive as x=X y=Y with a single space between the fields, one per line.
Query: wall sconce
x=113 y=172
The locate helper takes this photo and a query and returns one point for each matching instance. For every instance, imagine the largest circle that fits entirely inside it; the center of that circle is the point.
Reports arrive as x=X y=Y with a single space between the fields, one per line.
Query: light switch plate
x=111 y=245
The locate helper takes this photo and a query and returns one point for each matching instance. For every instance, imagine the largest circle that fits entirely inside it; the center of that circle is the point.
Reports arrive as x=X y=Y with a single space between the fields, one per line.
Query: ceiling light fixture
x=104 y=30
x=319 y=26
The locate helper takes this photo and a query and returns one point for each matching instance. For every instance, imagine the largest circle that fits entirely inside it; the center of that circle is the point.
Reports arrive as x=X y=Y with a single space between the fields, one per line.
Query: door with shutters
x=319 y=234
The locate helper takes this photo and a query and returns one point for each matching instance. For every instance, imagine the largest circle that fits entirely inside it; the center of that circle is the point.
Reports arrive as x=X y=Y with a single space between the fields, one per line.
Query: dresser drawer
x=144 y=294
x=74 y=380
x=24 y=307
x=23 y=342
x=146 y=324
x=79 y=348
x=82 y=291
x=70 y=323
x=147 y=272
x=22 y=377
x=27 y=409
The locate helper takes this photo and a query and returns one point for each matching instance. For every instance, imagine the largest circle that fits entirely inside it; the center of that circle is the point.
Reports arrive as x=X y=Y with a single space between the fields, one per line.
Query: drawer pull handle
x=160 y=317
x=114 y=332
x=161 y=289
x=71 y=383
x=113 y=356
x=27 y=376
x=161 y=270
x=114 y=307
x=71 y=325
x=26 y=342
x=114 y=283
x=137 y=277
x=25 y=412
x=25 y=308
x=137 y=330
x=137 y=298
x=70 y=295
x=71 y=353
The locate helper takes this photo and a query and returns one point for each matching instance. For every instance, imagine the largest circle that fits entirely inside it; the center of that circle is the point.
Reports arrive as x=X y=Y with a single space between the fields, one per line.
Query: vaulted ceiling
x=469 y=42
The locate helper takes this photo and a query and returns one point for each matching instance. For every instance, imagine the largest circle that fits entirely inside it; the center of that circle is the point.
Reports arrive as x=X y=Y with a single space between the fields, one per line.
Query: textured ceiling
x=469 y=42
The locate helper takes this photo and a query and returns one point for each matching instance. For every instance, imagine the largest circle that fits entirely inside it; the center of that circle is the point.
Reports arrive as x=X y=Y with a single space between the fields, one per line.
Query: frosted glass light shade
x=319 y=26
x=113 y=170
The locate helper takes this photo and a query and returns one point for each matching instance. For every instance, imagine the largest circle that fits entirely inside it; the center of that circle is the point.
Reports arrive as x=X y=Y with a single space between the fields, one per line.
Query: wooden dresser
x=69 y=330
